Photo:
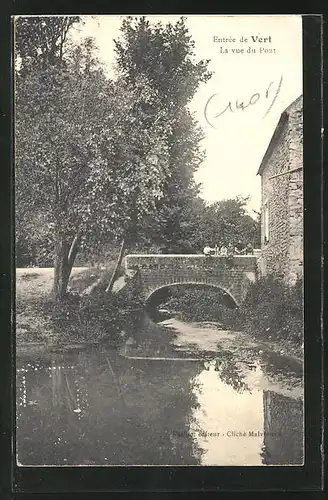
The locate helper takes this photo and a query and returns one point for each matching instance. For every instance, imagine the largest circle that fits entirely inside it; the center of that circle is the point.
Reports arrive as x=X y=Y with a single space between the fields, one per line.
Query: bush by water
x=272 y=309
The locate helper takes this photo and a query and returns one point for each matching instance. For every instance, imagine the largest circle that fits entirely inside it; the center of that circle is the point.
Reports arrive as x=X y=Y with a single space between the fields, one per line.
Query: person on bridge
x=240 y=249
x=249 y=249
x=208 y=251
x=230 y=250
x=224 y=251
x=230 y=254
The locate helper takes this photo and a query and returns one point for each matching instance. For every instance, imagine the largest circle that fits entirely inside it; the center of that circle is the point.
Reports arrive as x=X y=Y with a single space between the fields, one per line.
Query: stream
x=175 y=393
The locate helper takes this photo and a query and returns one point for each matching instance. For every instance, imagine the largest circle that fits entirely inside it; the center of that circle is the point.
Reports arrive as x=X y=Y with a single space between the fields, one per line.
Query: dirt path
x=38 y=281
x=33 y=288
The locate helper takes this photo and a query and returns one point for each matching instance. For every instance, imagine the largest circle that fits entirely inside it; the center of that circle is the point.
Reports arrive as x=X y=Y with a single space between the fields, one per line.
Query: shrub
x=90 y=318
x=99 y=315
x=272 y=309
x=197 y=304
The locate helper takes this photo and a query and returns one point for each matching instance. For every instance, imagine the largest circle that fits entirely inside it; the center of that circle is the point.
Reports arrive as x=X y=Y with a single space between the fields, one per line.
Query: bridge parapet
x=232 y=275
x=196 y=261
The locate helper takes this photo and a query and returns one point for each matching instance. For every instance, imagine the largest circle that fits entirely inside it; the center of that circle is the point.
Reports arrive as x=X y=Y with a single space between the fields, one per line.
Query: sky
x=266 y=76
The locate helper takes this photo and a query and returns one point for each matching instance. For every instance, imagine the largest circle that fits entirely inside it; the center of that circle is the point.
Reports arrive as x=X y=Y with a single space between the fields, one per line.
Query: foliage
x=34 y=242
x=92 y=318
x=164 y=56
x=97 y=316
x=40 y=40
x=193 y=304
x=85 y=316
x=100 y=161
x=71 y=134
x=182 y=223
x=89 y=153
x=272 y=310
x=225 y=222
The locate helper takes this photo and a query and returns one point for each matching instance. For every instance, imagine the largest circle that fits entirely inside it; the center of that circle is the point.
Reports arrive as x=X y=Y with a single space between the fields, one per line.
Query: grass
x=272 y=313
x=40 y=320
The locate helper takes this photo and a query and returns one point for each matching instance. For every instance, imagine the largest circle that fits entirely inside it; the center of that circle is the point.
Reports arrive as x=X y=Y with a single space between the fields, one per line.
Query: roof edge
x=274 y=139
x=276 y=134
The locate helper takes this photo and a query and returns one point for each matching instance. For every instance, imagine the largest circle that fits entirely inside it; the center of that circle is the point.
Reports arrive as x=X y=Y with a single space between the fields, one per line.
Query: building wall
x=283 y=253
x=295 y=199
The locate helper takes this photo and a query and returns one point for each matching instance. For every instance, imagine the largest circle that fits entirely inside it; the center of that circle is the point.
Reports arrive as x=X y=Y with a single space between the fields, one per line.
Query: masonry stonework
x=282 y=191
x=157 y=271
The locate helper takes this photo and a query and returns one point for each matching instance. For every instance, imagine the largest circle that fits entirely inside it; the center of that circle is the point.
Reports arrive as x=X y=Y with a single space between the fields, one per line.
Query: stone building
x=281 y=174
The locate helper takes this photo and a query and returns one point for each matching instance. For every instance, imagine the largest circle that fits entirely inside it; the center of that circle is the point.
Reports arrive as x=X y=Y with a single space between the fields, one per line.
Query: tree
x=33 y=245
x=40 y=41
x=89 y=153
x=224 y=222
x=164 y=55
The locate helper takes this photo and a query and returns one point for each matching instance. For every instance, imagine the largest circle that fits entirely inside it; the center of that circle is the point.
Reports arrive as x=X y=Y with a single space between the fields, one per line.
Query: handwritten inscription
x=236 y=105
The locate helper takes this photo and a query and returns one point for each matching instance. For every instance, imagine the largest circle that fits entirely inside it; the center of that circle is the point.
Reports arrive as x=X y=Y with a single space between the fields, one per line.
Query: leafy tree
x=89 y=153
x=164 y=55
x=41 y=41
x=224 y=222
x=34 y=245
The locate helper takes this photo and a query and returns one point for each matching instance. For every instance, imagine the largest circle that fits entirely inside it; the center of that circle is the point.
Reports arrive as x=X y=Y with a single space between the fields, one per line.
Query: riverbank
x=272 y=313
x=42 y=324
x=270 y=318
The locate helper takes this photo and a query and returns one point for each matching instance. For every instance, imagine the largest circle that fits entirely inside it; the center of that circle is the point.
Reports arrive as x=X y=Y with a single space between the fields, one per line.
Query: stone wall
x=295 y=198
x=156 y=271
x=283 y=253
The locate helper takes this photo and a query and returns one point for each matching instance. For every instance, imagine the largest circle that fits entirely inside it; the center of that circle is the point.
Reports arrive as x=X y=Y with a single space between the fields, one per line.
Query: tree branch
x=74 y=249
x=118 y=263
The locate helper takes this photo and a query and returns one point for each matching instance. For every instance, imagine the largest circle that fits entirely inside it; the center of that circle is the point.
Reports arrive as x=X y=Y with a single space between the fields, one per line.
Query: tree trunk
x=61 y=269
x=64 y=260
x=118 y=263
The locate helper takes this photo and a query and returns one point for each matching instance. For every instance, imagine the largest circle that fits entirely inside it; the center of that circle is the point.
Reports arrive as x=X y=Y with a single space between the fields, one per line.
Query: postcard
x=159 y=240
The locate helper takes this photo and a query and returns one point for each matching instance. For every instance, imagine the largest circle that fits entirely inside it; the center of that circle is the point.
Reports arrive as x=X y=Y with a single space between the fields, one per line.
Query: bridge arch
x=160 y=272
x=162 y=293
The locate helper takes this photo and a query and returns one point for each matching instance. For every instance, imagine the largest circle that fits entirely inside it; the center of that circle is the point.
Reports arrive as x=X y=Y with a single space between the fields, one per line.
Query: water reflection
x=283 y=425
x=152 y=404
x=225 y=417
x=241 y=424
x=104 y=410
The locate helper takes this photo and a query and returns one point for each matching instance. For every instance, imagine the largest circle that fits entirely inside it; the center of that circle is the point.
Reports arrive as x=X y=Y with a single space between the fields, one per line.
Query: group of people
x=229 y=250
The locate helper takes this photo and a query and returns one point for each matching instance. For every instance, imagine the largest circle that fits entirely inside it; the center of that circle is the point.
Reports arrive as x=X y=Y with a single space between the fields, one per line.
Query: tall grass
x=272 y=309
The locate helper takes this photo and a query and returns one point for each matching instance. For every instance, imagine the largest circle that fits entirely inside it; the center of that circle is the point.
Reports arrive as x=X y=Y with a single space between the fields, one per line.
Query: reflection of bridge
x=156 y=272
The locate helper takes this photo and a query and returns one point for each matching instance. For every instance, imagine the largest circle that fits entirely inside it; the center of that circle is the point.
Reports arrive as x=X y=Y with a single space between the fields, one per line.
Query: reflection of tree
x=132 y=323
x=230 y=371
x=283 y=430
x=66 y=390
x=277 y=366
x=50 y=416
x=80 y=417
x=154 y=428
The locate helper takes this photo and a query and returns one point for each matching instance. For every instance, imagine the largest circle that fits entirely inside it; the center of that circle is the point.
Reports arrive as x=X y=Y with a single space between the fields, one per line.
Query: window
x=266 y=221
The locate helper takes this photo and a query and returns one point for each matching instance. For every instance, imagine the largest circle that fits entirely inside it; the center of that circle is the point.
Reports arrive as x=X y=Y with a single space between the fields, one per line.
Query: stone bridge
x=157 y=272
